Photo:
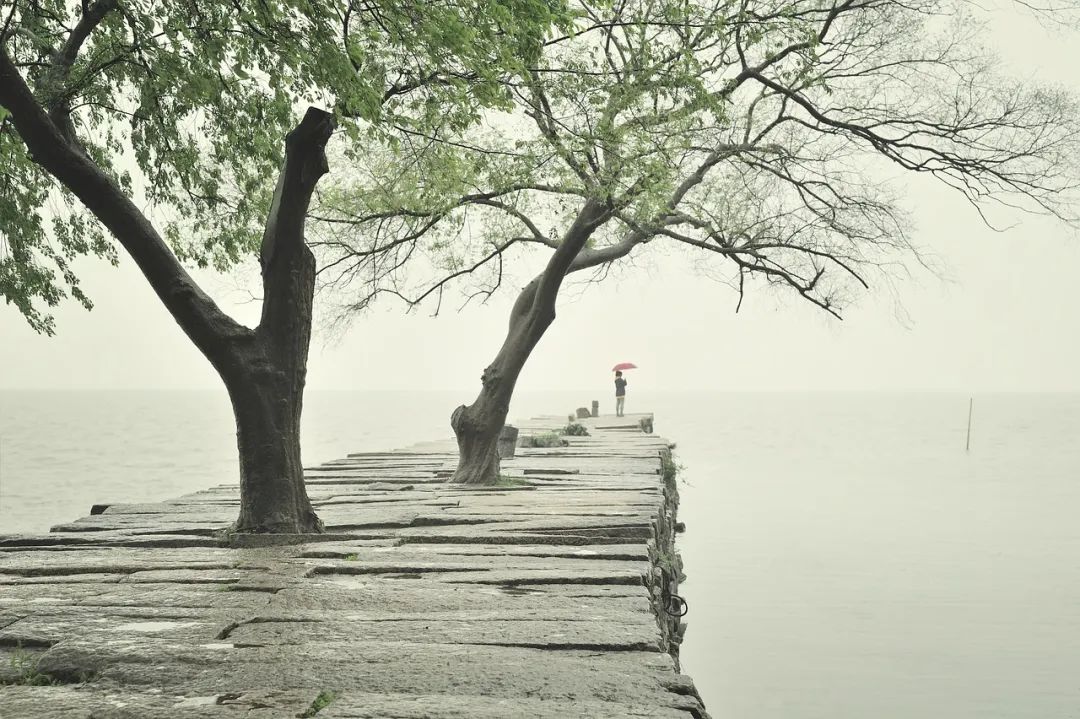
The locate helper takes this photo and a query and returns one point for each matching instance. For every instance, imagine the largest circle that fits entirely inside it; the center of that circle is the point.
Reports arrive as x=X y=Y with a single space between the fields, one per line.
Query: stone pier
x=553 y=595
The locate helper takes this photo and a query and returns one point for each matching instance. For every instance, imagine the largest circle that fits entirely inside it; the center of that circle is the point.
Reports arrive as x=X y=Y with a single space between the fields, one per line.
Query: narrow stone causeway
x=553 y=595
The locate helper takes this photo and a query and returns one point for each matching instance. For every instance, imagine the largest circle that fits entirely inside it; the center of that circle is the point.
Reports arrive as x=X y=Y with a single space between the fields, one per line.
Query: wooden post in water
x=971 y=404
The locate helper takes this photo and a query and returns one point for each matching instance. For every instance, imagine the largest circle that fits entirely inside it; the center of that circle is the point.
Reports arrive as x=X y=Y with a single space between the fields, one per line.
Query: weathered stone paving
x=542 y=598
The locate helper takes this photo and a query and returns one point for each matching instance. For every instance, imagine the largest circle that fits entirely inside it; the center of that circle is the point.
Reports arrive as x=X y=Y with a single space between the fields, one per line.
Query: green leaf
x=200 y=96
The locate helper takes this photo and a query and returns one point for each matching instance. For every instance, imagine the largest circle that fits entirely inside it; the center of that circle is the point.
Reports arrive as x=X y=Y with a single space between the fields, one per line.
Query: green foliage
x=323 y=700
x=666 y=559
x=668 y=468
x=186 y=105
x=574 y=429
x=545 y=440
x=757 y=133
x=24 y=670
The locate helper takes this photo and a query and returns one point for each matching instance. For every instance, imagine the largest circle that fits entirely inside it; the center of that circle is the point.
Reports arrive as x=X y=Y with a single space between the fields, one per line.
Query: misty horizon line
x=587 y=391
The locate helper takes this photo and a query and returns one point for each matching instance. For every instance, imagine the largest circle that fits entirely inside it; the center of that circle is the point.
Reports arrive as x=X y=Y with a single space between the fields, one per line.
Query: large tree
x=112 y=106
x=765 y=133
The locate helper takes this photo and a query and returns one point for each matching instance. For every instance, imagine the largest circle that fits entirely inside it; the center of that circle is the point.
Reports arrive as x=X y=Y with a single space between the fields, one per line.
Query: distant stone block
x=507 y=441
x=583 y=413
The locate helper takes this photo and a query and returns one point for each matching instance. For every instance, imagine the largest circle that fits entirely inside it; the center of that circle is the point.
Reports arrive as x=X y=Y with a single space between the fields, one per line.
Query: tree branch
x=54 y=80
x=288 y=267
x=200 y=318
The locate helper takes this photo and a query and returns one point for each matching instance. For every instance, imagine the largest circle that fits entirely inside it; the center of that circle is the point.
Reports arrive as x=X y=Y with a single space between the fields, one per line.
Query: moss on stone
x=548 y=439
x=322 y=701
x=574 y=429
x=24 y=671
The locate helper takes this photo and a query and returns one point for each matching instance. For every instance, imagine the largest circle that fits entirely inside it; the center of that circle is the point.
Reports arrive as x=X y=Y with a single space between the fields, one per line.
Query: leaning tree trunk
x=477 y=426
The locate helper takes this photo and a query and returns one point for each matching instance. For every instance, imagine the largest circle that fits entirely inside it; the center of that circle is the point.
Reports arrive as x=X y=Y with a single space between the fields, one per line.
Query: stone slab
x=424 y=599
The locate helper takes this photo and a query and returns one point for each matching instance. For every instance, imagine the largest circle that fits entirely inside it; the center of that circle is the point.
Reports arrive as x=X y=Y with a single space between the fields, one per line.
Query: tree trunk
x=273 y=498
x=477 y=426
x=266 y=387
x=266 y=380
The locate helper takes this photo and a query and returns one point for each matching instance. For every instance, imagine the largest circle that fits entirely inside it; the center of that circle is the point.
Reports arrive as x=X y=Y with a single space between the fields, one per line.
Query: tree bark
x=266 y=385
x=477 y=426
x=273 y=498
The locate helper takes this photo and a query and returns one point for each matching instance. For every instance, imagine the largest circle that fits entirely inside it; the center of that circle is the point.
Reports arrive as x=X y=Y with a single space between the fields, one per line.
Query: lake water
x=847 y=558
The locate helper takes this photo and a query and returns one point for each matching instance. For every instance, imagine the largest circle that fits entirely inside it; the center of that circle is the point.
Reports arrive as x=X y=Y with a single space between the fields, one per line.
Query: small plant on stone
x=668 y=468
x=505 y=480
x=24 y=671
x=322 y=701
x=666 y=560
x=351 y=557
x=548 y=439
x=575 y=429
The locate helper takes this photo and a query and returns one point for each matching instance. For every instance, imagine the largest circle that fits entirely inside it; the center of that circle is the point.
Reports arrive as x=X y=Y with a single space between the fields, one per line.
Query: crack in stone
x=11 y=619
x=229 y=628
x=583 y=646
x=622 y=532
x=507 y=584
x=371 y=525
x=190 y=532
x=27 y=641
x=390 y=570
x=62 y=571
x=450 y=520
x=521 y=537
x=253 y=588
x=233 y=626
x=614 y=557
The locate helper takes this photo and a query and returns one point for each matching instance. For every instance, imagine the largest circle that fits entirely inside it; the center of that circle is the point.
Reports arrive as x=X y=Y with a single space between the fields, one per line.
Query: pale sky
x=1007 y=318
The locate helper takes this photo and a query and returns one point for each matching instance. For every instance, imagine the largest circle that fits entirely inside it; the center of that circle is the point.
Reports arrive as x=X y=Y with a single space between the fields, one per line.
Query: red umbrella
x=623 y=365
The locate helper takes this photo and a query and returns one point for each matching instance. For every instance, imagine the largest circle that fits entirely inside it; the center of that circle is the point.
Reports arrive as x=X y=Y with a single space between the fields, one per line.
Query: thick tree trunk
x=267 y=391
x=273 y=498
x=477 y=426
x=266 y=381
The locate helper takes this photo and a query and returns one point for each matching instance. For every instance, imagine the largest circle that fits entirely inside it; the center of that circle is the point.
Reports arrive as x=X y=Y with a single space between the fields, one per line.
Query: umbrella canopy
x=623 y=365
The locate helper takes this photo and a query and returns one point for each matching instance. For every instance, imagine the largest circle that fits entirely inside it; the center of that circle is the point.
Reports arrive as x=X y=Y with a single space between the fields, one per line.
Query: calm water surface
x=847 y=558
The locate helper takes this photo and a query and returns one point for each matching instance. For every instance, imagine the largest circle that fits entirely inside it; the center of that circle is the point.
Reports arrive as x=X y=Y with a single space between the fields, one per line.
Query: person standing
x=620 y=393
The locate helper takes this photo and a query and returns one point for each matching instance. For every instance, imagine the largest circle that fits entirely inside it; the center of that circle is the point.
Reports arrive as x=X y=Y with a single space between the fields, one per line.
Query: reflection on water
x=847 y=558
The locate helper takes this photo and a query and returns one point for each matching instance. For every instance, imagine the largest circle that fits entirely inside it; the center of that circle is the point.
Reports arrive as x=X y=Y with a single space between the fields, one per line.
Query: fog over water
x=846 y=557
